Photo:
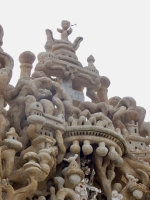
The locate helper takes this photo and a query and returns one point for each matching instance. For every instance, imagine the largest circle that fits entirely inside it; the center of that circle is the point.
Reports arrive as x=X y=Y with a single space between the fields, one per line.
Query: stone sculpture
x=57 y=146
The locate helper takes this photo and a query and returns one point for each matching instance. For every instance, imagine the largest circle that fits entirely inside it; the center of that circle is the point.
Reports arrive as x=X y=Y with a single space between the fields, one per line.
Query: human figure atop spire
x=66 y=30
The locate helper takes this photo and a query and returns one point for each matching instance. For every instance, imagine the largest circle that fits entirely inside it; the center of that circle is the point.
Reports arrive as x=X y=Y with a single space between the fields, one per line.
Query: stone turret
x=26 y=59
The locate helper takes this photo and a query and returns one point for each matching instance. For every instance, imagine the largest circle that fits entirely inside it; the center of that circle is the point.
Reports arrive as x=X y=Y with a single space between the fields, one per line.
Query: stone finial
x=26 y=59
x=91 y=66
x=1 y=37
x=90 y=60
x=102 y=92
x=105 y=82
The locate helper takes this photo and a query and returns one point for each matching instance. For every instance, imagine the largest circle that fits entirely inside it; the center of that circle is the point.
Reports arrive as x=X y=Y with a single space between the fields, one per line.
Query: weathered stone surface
x=57 y=146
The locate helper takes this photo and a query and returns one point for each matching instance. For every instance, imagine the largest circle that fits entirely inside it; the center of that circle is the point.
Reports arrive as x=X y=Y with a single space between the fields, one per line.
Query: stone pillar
x=102 y=92
x=26 y=59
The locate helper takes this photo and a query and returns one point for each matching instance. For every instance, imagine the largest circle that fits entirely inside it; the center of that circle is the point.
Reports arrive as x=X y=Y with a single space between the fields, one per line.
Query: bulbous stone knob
x=105 y=81
x=87 y=148
x=101 y=150
x=27 y=57
x=102 y=92
x=118 y=162
x=117 y=187
x=137 y=194
x=74 y=179
x=75 y=147
x=112 y=155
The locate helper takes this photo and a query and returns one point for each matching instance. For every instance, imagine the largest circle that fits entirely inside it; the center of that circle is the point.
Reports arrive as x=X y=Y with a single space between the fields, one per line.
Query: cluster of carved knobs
x=55 y=145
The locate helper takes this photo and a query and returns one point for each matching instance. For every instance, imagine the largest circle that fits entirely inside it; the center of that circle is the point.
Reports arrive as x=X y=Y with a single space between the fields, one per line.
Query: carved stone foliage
x=54 y=145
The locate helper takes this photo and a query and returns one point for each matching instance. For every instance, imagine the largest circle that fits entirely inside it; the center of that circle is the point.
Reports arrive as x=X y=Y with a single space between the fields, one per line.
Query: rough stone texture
x=57 y=146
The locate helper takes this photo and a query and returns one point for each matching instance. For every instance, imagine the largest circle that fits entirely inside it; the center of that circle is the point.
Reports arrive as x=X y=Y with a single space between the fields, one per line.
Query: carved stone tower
x=57 y=146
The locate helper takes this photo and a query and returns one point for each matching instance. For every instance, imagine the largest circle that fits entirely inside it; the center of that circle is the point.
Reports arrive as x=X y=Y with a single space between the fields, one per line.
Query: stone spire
x=91 y=66
x=63 y=49
x=26 y=59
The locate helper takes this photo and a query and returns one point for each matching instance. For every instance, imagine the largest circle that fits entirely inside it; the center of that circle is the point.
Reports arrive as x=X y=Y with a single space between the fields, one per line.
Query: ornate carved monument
x=57 y=146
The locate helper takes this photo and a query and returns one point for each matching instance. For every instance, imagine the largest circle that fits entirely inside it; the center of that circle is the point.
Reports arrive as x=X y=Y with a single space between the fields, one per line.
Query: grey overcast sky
x=115 y=32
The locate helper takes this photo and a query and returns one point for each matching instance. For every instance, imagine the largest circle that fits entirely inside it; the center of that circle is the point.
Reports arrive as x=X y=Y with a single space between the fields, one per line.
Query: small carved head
x=65 y=24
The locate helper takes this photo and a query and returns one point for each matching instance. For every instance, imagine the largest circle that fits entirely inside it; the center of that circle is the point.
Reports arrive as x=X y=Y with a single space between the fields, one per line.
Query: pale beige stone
x=54 y=145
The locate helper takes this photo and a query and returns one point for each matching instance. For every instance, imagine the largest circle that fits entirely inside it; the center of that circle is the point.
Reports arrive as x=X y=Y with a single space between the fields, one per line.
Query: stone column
x=102 y=92
x=26 y=59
